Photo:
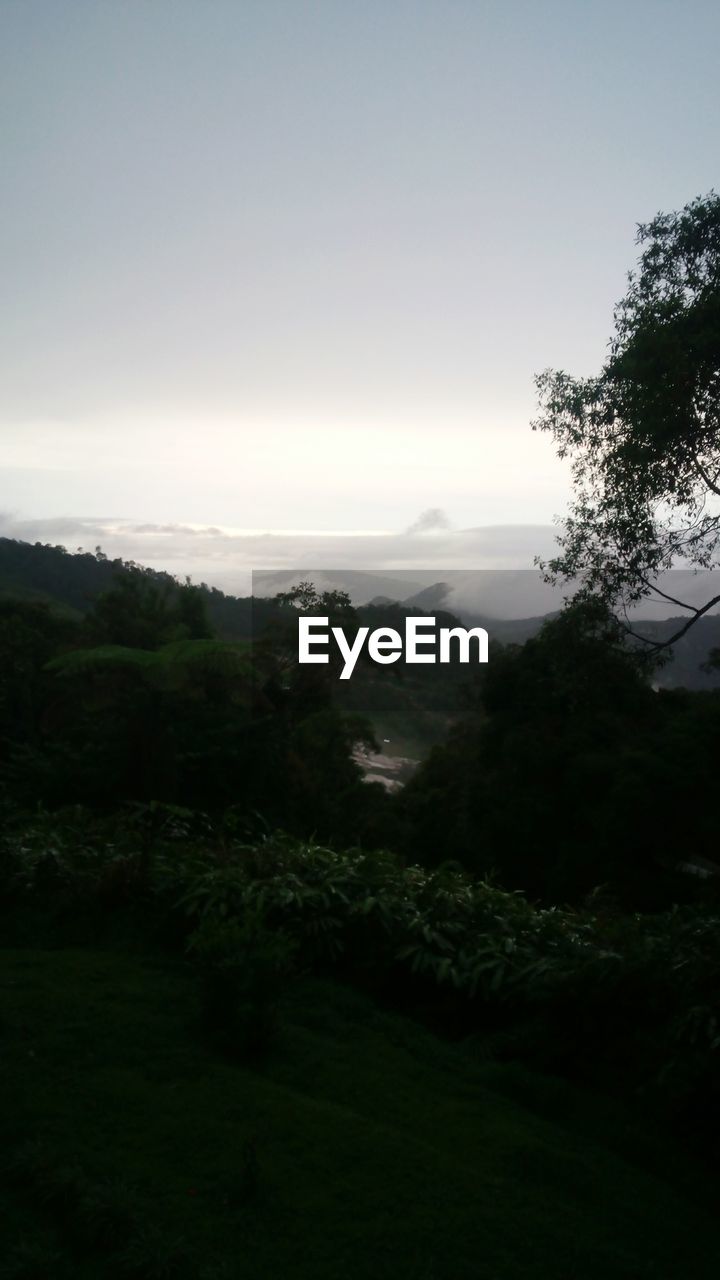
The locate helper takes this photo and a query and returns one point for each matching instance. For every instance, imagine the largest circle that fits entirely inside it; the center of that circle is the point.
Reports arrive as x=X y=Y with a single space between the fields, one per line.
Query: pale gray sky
x=291 y=265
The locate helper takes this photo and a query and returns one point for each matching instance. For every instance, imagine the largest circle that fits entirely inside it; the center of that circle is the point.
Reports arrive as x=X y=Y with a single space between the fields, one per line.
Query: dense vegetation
x=187 y=829
x=240 y=1112
x=264 y=1018
x=574 y=773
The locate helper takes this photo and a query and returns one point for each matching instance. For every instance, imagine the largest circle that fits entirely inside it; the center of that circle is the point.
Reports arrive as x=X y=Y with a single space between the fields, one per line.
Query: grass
x=362 y=1147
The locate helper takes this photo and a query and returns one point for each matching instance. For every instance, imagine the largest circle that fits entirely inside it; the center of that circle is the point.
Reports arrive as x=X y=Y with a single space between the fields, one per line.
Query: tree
x=573 y=773
x=140 y=612
x=307 y=599
x=280 y=637
x=644 y=434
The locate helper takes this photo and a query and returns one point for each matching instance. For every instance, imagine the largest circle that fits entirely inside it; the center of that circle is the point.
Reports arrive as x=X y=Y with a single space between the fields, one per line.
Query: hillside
x=35 y=571
x=71 y=582
x=363 y=1147
x=413 y=712
x=683 y=668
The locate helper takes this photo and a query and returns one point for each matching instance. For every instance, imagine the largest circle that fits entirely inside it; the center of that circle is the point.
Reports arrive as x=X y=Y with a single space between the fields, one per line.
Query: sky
x=277 y=274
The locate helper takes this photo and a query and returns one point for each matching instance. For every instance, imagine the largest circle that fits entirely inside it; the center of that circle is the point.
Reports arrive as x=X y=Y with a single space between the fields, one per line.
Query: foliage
x=576 y=773
x=594 y=983
x=307 y=599
x=188 y=719
x=69 y=585
x=644 y=434
x=139 y=612
x=30 y=1260
x=646 y=984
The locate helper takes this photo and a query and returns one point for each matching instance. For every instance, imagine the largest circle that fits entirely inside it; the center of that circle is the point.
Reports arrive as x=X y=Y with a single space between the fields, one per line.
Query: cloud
x=488 y=570
x=59 y=529
x=429 y=521
x=226 y=557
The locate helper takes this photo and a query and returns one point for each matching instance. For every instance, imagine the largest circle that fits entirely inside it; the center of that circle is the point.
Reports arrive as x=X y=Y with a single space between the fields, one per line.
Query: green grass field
x=362 y=1147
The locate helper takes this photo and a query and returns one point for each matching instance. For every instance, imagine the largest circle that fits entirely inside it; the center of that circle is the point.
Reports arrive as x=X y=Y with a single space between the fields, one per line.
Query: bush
x=628 y=1000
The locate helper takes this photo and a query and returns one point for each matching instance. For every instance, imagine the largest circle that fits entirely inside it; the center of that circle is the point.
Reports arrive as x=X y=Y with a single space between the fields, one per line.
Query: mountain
x=71 y=582
x=430 y=598
x=684 y=667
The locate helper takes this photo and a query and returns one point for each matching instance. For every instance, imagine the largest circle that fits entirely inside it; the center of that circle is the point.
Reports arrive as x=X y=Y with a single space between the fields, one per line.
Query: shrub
x=31 y=1260
x=629 y=999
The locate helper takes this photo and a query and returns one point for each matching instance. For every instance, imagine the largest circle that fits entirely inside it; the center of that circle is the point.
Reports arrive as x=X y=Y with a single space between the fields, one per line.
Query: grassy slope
x=381 y=1152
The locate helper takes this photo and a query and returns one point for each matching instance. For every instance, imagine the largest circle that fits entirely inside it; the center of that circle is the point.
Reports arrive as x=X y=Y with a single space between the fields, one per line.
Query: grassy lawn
x=362 y=1147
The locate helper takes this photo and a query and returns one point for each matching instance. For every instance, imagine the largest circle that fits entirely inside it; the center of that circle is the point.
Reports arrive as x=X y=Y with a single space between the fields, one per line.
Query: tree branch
x=710 y=484
x=690 y=607
x=659 y=645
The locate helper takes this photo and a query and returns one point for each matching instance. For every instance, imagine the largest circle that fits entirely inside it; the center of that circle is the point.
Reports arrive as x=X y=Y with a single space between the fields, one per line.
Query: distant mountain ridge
x=683 y=669
x=72 y=581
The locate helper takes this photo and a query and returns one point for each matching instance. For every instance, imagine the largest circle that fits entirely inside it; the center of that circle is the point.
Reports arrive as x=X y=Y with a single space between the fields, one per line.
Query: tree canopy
x=643 y=435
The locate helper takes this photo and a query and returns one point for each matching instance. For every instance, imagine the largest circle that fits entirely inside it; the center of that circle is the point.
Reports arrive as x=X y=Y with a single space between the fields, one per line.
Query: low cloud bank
x=481 y=566
x=226 y=558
